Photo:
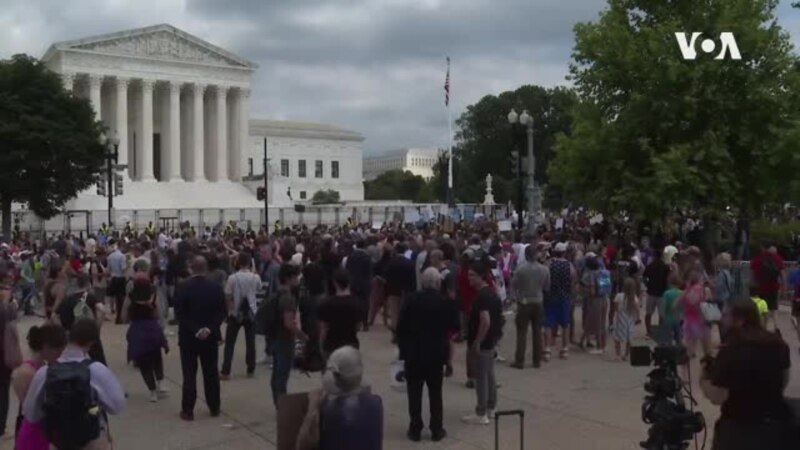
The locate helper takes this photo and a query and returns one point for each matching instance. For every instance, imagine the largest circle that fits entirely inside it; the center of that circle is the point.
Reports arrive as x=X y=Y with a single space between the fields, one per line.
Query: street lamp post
x=526 y=120
x=111 y=160
x=266 y=186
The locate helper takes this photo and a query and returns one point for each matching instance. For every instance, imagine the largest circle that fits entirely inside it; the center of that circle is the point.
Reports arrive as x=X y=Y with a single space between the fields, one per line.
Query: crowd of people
x=310 y=292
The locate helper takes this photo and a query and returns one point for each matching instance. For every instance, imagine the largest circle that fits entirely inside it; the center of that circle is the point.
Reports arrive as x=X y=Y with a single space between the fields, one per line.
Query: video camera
x=673 y=425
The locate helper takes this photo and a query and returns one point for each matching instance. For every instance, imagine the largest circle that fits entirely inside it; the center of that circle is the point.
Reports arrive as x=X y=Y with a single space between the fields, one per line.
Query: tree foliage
x=484 y=141
x=49 y=141
x=398 y=185
x=654 y=132
x=326 y=196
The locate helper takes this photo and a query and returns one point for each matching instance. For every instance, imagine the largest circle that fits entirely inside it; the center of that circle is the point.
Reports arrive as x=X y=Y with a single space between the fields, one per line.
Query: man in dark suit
x=200 y=307
x=359 y=269
x=426 y=322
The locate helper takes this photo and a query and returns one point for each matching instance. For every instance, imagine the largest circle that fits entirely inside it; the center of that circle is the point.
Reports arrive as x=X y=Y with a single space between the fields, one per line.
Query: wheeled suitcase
x=513 y=412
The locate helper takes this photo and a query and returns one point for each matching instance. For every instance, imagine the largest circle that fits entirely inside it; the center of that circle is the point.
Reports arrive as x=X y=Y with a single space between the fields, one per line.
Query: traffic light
x=513 y=161
x=118 y=184
x=261 y=193
x=102 y=183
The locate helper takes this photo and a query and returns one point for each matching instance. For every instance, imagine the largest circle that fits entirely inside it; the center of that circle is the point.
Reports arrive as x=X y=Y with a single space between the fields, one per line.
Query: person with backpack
x=767 y=275
x=200 y=307
x=145 y=336
x=73 y=397
x=240 y=293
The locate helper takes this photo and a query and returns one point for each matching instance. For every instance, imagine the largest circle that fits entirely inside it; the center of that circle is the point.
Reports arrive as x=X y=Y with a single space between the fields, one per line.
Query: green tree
x=398 y=185
x=484 y=141
x=655 y=132
x=325 y=197
x=49 y=141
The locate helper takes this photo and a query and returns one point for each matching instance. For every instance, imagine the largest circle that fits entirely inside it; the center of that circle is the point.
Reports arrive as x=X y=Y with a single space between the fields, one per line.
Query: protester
x=145 y=336
x=594 y=325
x=10 y=353
x=400 y=282
x=339 y=316
x=557 y=307
x=117 y=268
x=200 y=306
x=485 y=324
x=82 y=304
x=747 y=380
x=695 y=330
x=72 y=397
x=655 y=278
x=426 y=323
x=530 y=283
x=241 y=290
x=627 y=310
x=670 y=313
x=768 y=271
x=284 y=330
x=359 y=268
x=343 y=414
x=46 y=344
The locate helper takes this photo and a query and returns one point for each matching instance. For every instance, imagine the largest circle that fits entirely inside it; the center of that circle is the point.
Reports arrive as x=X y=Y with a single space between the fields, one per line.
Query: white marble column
x=121 y=117
x=197 y=147
x=144 y=138
x=174 y=146
x=242 y=127
x=95 y=83
x=221 y=134
x=68 y=78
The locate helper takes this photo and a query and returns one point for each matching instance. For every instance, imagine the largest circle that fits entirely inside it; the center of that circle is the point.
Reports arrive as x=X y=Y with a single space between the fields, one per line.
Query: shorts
x=772 y=300
x=556 y=314
x=652 y=304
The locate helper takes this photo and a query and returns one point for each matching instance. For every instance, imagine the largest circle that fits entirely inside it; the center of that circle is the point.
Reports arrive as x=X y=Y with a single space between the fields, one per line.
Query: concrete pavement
x=585 y=402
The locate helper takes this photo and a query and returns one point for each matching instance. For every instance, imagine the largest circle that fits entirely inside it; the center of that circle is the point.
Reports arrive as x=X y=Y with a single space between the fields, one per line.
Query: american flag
x=447 y=85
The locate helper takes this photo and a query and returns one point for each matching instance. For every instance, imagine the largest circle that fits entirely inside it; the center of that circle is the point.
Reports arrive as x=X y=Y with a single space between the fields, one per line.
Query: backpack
x=770 y=269
x=81 y=310
x=267 y=316
x=71 y=414
x=604 y=285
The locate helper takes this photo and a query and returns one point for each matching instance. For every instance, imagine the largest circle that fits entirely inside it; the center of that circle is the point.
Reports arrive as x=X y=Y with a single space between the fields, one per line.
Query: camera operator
x=747 y=379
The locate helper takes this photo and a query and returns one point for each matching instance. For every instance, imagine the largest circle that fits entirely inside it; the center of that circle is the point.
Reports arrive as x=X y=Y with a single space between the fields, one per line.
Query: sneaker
x=161 y=390
x=414 y=435
x=517 y=365
x=499 y=358
x=474 y=419
x=490 y=414
x=153 y=397
x=187 y=416
x=264 y=360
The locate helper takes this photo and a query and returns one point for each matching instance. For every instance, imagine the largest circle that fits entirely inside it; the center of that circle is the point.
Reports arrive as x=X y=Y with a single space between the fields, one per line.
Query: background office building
x=419 y=161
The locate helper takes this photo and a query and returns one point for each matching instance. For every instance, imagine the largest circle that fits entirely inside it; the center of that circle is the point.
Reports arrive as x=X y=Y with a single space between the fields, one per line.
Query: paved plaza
x=586 y=402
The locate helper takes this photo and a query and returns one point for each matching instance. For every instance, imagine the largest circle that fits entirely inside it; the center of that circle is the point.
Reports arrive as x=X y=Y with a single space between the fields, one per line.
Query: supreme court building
x=180 y=108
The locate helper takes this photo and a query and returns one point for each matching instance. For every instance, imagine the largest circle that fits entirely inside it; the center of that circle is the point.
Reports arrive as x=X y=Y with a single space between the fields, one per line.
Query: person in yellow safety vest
x=229 y=228
x=105 y=229
x=763 y=308
x=349 y=222
x=150 y=229
x=277 y=226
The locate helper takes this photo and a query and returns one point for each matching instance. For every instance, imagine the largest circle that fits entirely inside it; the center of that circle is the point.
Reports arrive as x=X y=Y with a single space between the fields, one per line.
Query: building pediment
x=163 y=42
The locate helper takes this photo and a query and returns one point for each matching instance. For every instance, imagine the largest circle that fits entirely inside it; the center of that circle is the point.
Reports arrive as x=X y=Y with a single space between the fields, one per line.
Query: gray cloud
x=374 y=66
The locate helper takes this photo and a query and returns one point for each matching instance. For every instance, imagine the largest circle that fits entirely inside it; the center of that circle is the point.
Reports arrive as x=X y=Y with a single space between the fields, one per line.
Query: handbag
x=711 y=312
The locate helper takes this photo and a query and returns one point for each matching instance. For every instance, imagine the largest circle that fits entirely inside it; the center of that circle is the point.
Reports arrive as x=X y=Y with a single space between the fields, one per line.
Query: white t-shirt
x=243 y=285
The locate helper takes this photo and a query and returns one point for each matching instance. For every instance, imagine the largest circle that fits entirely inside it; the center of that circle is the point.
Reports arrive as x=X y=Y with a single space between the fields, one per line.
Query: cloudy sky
x=374 y=66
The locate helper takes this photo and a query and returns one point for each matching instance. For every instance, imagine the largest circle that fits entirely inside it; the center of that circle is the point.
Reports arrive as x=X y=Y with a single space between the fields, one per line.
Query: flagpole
x=450 y=199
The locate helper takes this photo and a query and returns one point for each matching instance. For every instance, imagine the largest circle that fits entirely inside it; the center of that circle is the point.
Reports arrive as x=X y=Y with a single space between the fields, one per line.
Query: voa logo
x=726 y=41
